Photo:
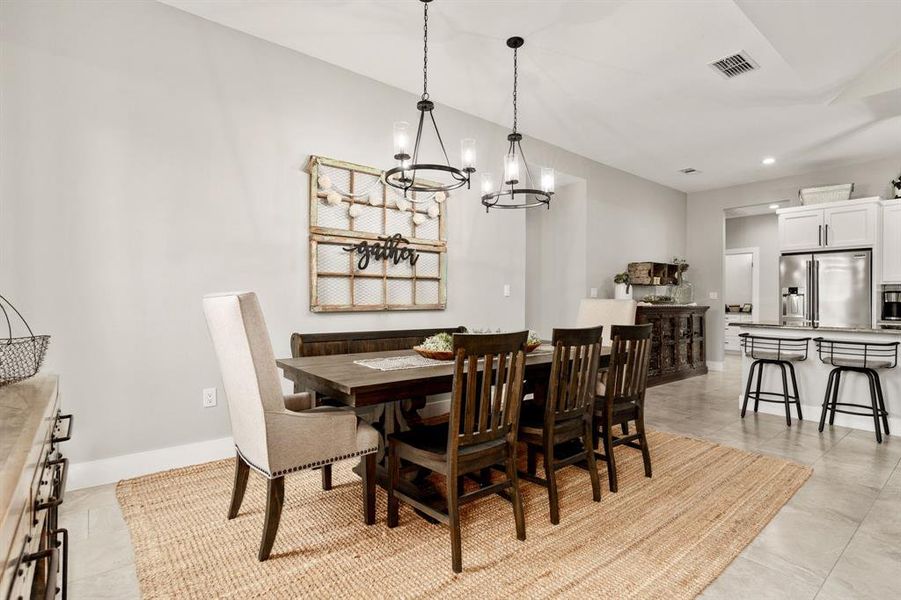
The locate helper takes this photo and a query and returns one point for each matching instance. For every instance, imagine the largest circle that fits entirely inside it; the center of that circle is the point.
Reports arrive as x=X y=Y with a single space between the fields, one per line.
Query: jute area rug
x=666 y=537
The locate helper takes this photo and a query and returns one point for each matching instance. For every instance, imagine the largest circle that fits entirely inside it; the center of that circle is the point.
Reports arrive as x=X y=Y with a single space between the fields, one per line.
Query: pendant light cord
x=425 y=50
x=515 y=78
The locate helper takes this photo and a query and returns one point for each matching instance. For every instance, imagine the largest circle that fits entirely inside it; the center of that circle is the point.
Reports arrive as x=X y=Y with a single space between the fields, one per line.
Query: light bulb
x=547 y=180
x=468 y=154
x=511 y=169
x=401 y=140
x=487 y=183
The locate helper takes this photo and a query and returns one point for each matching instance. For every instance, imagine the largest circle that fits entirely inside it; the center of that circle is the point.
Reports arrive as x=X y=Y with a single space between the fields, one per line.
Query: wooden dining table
x=380 y=396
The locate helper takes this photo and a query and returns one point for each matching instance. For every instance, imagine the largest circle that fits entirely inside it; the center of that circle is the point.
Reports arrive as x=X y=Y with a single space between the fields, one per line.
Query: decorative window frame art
x=371 y=249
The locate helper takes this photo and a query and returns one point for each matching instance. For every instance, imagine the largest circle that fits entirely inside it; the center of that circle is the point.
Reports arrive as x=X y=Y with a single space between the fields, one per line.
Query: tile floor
x=839 y=537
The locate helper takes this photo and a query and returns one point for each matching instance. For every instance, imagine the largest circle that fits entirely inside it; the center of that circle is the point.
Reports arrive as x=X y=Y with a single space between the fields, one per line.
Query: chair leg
x=838 y=380
x=791 y=370
x=393 y=480
x=874 y=402
x=592 y=463
x=881 y=398
x=453 y=514
x=826 y=398
x=326 y=477
x=645 y=451
x=531 y=460
x=611 y=459
x=368 y=489
x=275 y=498
x=551 y=476
x=788 y=406
x=759 y=381
x=239 y=487
x=518 y=515
x=744 y=405
x=624 y=426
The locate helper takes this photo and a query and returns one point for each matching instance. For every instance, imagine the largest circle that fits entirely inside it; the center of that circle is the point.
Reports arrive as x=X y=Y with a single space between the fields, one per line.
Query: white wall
x=762 y=232
x=556 y=264
x=150 y=157
x=705 y=227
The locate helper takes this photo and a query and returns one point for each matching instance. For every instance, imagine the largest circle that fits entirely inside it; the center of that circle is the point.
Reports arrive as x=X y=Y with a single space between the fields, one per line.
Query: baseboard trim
x=113 y=469
x=716 y=365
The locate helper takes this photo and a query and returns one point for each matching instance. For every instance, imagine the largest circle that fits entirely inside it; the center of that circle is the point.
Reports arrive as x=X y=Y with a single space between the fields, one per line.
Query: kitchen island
x=813 y=375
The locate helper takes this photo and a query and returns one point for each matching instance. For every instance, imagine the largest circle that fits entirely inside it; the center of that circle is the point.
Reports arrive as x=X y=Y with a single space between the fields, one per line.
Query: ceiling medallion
x=507 y=195
x=411 y=175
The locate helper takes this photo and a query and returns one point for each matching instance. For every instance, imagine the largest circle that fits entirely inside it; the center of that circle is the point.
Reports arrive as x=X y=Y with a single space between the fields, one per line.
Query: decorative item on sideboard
x=20 y=357
x=622 y=286
x=896 y=186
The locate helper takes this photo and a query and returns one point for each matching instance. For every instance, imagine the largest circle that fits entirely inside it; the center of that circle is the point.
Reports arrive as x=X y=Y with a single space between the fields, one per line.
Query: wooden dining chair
x=623 y=396
x=567 y=412
x=480 y=433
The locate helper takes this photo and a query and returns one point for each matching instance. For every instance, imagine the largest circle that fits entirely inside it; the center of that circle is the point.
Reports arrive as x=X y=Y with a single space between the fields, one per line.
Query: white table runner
x=415 y=361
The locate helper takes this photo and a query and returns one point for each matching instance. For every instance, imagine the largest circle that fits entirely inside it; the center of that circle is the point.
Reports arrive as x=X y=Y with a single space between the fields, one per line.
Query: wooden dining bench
x=353 y=342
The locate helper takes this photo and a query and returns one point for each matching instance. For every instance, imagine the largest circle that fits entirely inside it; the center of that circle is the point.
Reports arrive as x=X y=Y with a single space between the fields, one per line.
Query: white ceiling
x=627 y=83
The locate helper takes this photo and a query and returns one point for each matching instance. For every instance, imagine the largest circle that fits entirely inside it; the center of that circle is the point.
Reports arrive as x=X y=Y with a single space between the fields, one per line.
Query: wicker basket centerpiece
x=20 y=357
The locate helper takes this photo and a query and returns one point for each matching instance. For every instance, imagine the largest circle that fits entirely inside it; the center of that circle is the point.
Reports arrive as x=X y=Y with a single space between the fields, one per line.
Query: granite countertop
x=772 y=325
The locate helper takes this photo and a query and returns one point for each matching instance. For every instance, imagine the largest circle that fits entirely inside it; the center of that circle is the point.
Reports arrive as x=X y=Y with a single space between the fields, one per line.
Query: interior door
x=844 y=289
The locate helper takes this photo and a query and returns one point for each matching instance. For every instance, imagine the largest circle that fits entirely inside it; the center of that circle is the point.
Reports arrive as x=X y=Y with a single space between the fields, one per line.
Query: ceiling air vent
x=688 y=171
x=735 y=65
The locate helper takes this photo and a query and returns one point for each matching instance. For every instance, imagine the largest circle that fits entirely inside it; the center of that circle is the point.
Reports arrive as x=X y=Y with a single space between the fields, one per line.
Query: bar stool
x=781 y=352
x=857 y=357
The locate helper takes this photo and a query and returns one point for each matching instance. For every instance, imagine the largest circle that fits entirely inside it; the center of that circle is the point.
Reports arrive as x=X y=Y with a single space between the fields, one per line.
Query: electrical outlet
x=593 y=292
x=209 y=397
x=714 y=295
x=506 y=290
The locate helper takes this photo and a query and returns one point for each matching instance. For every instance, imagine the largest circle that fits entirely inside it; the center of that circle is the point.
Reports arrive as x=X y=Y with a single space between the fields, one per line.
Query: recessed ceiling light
x=774 y=206
x=768 y=160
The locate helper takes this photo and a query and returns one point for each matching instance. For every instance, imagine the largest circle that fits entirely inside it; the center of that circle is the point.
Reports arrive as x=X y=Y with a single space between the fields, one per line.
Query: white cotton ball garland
x=324 y=182
x=434 y=211
x=333 y=198
x=419 y=218
x=440 y=197
x=354 y=210
x=375 y=198
x=402 y=203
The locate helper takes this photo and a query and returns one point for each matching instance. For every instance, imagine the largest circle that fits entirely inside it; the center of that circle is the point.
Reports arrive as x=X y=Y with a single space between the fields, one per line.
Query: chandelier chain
x=515 y=78
x=425 y=51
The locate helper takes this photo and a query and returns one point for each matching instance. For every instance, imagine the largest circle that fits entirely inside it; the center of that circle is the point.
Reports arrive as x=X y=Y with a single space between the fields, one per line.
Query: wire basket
x=20 y=357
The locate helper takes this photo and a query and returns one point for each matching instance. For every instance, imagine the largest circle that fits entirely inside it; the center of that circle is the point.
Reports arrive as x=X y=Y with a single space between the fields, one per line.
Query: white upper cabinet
x=801 y=230
x=891 y=242
x=851 y=224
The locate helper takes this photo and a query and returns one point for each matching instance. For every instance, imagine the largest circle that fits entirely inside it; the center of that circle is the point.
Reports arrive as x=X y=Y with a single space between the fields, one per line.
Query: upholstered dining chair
x=606 y=312
x=275 y=434
x=623 y=397
x=567 y=413
x=481 y=433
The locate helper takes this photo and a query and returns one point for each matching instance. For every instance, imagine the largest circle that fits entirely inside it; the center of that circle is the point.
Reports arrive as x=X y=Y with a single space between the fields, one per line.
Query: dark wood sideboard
x=678 y=341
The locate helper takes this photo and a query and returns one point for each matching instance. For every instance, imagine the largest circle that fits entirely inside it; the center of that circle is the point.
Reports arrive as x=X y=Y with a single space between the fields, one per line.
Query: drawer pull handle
x=51 y=554
x=59 y=418
x=56 y=497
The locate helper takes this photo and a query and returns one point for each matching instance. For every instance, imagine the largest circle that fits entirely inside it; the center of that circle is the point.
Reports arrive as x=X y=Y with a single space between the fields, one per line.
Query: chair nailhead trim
x=311 y=465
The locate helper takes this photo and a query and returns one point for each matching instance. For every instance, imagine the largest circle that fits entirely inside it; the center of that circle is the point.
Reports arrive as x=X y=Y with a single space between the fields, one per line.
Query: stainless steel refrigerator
x=827 y=289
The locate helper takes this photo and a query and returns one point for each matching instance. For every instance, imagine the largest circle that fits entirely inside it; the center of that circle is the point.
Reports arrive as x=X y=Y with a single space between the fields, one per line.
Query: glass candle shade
x=401 y=140
x=468 y=154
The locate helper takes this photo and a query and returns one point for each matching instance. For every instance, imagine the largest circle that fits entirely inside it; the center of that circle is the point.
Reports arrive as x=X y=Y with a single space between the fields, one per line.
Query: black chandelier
x=406 y=175
x=507 y=195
